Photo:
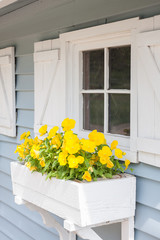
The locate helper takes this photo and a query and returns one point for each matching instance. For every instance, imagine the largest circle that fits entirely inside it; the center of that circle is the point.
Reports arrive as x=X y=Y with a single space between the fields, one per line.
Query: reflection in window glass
x=93 y=112
x=119 y=68
x=93 y=69
x=119 y=114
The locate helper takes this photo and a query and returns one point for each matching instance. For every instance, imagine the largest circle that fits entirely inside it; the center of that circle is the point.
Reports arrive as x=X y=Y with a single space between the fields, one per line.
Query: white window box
x=83 y=204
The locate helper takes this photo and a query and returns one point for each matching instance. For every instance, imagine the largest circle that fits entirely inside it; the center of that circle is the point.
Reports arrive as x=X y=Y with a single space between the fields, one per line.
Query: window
x=101 y=82
x=106 y=90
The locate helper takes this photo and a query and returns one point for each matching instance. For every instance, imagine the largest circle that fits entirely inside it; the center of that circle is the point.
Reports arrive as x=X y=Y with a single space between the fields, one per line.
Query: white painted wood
x=133 y=96
x=84 y=204
x=116 y=27
x=46 y=56
x=89 y=234
x=150 y=38
x=71 y=227
x=149 y=158
x=145 y=25
x=127 y=229
x=157 y=112
x=49 y=85
x=149 y=79
x=4 y=3
x=151 y=69
x=4 y=60
x=7 y=92
x=118 y=91
x=148 y=145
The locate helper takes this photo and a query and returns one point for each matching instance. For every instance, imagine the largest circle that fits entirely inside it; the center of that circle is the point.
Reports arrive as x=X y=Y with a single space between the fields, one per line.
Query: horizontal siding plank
x=145 y=171
x=4 y=237
x=7 y=150
x=25 y=118
x=5 y=181
x=24 y=64
x=147 y=220
x=5 y=165
x=148 y=192
x=24 y=82
x=12 y=231
x=28 y=227
x=25 y=100
x=143 y=236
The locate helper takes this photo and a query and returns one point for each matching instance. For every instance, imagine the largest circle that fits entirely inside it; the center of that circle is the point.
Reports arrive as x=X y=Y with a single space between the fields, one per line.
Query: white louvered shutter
x=148 y=142
x=49 y=84
x=7 y=92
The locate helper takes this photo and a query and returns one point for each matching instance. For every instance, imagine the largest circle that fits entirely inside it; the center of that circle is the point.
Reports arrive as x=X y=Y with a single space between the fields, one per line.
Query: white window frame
x=109 y=35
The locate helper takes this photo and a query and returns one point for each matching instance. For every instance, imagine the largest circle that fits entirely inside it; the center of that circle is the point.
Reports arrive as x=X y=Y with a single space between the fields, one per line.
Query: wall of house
x=40 y=21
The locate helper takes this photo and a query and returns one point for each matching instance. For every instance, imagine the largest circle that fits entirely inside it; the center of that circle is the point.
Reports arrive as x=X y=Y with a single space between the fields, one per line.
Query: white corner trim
x=4 y=3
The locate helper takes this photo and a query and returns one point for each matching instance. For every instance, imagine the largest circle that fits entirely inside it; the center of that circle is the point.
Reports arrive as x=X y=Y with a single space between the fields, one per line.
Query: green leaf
x=108 y=175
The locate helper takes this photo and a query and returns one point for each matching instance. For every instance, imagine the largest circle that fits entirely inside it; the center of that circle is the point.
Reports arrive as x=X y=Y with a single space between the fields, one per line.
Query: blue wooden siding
x=17 y=222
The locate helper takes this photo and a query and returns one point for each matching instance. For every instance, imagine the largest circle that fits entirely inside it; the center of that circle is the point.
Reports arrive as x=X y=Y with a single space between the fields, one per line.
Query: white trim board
x=4 y=3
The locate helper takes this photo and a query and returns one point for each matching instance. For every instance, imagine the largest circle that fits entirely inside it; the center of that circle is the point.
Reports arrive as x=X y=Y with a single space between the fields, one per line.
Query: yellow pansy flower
x=114 y=144
x=104 y=159
x=37 y=141
x=68 y=124
x=33 y=168
x=22 y=151
x=105 y=152
x=87 y=176
x=127 y=162
x=62 y=159
x=110 y=164
x=72 y=161
x=97 y=137
x=42 y=163
x=71 y=143
x=80 y=159
x=56 y=141
x=35 y=151
x=72 y=147
x=53 y=132
x=28 y=164
x=118 y=153
x=43 y=130
x=87 y=145
x=25 y=135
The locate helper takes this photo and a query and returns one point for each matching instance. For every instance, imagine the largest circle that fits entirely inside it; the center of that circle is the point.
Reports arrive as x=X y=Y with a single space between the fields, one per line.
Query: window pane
x=93 y=69
x=119 y=68
x=93 y=112
x=119 y=114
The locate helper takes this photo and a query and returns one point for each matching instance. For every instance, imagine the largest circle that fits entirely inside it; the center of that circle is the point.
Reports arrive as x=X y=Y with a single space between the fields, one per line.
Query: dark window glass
x=93 y=69
x=119 y=114
x=93 y=112
x=119 y=67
